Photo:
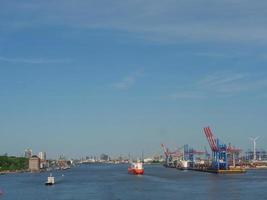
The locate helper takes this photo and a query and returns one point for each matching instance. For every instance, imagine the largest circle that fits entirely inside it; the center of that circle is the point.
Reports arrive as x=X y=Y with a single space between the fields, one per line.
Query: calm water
x=113 y=182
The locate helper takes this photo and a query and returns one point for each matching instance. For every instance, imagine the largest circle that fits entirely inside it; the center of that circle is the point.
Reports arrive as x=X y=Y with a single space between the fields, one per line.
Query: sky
x=123 y=76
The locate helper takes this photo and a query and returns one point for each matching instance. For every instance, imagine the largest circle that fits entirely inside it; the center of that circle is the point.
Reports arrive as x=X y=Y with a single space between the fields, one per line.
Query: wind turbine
x=254 y=147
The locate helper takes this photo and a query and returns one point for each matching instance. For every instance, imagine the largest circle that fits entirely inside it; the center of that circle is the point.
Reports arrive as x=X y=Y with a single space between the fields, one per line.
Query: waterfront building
x=34 y=164
x=28 y=153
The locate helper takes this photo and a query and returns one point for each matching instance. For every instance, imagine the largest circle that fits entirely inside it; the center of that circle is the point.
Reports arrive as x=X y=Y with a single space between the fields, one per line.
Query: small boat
x=50 y=180
x=136 y=168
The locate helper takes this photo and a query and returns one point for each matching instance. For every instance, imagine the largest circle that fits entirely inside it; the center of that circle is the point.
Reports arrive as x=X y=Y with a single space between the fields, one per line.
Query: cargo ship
x=136 y=168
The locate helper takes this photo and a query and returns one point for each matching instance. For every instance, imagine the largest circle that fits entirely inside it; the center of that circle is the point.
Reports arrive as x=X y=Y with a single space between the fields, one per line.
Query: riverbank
x=12 y=164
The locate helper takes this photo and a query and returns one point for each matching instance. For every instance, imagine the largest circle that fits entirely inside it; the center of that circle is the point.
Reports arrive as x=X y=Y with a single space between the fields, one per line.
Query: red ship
x=136 y=168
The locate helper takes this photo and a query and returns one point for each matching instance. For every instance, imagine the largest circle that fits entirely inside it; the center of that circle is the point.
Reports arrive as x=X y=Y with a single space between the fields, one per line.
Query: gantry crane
x=171 y=157
x=219 y=151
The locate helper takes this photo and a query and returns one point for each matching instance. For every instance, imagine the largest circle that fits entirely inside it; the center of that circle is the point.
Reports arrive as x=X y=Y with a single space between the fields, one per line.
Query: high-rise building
x=42 y=156
x=28 y=153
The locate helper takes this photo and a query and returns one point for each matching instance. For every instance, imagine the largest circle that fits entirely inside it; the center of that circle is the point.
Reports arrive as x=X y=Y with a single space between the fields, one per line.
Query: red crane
x=167 y=153
x=232 y=149
x=198 y=152
x=211 y=139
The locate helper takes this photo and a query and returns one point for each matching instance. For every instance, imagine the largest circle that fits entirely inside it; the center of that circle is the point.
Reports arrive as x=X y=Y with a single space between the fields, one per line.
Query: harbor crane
x=219 y=151
x=221 y=154
x=171 y=157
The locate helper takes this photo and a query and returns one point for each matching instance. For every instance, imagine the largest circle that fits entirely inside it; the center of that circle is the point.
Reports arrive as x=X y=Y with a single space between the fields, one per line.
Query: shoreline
x=257 y=168
x=13 y=171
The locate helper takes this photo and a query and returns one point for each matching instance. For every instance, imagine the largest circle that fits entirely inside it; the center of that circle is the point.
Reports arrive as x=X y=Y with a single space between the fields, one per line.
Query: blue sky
x=90 y=77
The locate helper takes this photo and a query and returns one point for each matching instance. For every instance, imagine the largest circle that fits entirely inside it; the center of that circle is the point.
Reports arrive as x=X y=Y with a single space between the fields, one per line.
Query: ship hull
x=49 y=183
x=136 y=171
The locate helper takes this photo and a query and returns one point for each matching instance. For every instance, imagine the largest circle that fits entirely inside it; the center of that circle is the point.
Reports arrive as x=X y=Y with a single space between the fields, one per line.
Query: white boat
x=50 y=180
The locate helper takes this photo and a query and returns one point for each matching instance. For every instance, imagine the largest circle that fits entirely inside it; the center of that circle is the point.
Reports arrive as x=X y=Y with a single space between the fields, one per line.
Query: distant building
x=43 y=161
x=260 y=155
x=28 y=153
x=104 y=157
x=42 y=156
x=34 y=164
x=148 y=160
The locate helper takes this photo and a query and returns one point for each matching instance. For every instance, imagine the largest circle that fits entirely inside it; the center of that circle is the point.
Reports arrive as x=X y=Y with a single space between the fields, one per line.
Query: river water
x=108 y=181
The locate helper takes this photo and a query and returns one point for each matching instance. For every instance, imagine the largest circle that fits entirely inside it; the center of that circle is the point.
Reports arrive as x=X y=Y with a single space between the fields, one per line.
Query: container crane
x=207 y=154
x=219 y=151
x=171 y=157
x=233 y=153
x=165 y=150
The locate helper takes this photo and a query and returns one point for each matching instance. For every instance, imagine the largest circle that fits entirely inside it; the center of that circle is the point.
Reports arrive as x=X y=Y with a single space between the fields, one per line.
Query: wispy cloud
x=128 y=81
x=186 y=95
x=222 y=77
x=33 y=60
x=125 y=83
x=222 y=84
x=168 y=21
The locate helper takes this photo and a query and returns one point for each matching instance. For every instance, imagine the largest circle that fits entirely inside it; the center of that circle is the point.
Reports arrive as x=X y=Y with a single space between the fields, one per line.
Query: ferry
x=50 y=180
x=136 y=168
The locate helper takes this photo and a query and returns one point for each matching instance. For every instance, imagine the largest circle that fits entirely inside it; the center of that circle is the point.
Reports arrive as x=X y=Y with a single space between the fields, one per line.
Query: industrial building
x=34 y=164
x=261 y=155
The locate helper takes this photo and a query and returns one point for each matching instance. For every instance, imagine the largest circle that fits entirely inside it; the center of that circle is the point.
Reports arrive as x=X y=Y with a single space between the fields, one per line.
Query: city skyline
x=83 y=77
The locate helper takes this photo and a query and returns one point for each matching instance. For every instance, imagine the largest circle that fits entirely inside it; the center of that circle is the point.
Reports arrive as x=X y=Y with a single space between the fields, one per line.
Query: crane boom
x=166 y=151
x=210 y=138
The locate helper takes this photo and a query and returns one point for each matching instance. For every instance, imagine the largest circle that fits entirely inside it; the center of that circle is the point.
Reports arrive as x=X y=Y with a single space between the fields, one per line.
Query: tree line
x=12 y=163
